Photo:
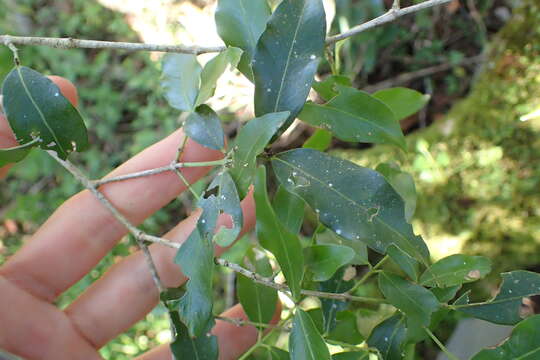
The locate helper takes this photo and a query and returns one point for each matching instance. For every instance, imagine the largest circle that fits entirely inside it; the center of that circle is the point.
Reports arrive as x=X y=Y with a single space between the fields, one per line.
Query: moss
x=477 y=170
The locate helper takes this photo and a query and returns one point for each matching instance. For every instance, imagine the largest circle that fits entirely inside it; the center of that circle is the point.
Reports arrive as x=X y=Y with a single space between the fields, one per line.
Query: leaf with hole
x=456 y=270
x=305 y=342
x=402 y=101
x=287 y=55
x=355 y=202
x=40 y=115
x=355 y=116
x=505 y=308
x=276 y=238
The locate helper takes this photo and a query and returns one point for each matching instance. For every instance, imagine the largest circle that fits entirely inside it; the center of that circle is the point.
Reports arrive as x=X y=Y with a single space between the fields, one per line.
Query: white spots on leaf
x=312 y=57
x=338 y=231
x=330 y=184
x=56 y=94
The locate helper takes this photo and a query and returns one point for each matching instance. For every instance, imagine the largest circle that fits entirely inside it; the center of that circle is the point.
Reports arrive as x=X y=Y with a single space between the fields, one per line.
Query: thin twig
x=441 y=346
x=69 y=43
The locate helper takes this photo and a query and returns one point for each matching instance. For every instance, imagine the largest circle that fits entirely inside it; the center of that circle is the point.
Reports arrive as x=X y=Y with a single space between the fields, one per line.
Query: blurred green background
x=476 y=164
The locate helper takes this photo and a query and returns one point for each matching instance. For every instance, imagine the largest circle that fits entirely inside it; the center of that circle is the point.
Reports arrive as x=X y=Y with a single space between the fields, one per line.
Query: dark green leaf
x=346 y=329
x=17 y=153
x=355 y=202
x=289 y=209
x=287 y=57
x=352 y=355
x=204 y=126
x=414 y=300
x=403 y=183
x=213 y=70
x=389 y=337
x=327 y=88
x=36 y=109
x=258 y=301
x=240 y=23
x=408 y=264
x=359 y=248
x=324 y=260
x=276 y=238
x=444 y=295
x=250 y=142
x=403 y=102
x=316 y=316
x=185 y=347
x=331 y=307
x=523 y=344
x=456 y=270
x=196 y=258
x=355 y=116
x=270 y=353
x=305 y=342
x=320 y=140
x=504 y=308
x=181 y=76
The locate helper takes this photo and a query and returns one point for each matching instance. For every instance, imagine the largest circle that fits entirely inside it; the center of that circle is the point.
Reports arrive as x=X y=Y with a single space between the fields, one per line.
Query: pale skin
x=75 y=238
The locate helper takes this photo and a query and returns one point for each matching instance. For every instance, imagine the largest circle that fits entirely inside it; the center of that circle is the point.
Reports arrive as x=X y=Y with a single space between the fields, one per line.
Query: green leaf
x=213 y=70
x=389 y=337
x=289 y=209
x=352 y=355
x=404 y=261
x=327 y=88
x=276 y=238
x=355 y=202
x=196 y=258
x=181 y=76
x=204 y=126
x=456 y=270
x=504 y=308
x=355 y=116
x=444 y=295
x=240 y=23
x=305 y=342
x=258 y=301
x=414 y=300
x=185 y=347
x=250 y=142
x=287 y=57
x=324 y=260
x=320 y=140
x=36 y=109
x=523 y=344
x=17 y=153
x=270 y=353
x=403 y=183
x=403 y=102
x=359 y=248
x=346 y=329
x=330 y=307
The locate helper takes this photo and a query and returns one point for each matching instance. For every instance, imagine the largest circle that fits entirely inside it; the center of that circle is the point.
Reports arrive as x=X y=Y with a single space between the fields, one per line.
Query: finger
x=130 y=280
x=7 y=138
x=233 y=340
x=82 y=230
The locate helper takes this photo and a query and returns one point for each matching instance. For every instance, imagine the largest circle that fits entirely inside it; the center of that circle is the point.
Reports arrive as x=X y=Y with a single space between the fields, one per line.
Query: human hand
x=75 y=238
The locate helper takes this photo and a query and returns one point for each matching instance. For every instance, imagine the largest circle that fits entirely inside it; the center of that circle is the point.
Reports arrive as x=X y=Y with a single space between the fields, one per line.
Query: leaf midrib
x=306 y=339
x=398 y=289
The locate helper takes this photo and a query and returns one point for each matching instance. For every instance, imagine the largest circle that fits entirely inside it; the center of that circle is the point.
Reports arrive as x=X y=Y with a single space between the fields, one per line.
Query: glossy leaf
x=408 y=264
x=504 y=308
x=330 y=307
x=324 y=260
x=287 y=56
x=359 y=248
x=456 y=270
x=181 y=75
x=17 y=153
x=289 y=209
x=276 y=238
x=403 y=183
x=355 y=202
x=196 y=258
x=389 y=337
x=240 y=23
x=355 y=116
x=352 y=355
x=415 y=301
x=204 y=126
x=402 y=101
x=36 y=109
x=250 y=142
x=346 y=329
x=320 y=140
x=185 y=347
x=305 y=342
x=523 y=344
x=444 y=295
x=213 y=70
x=327 y=88
x=258 y=301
